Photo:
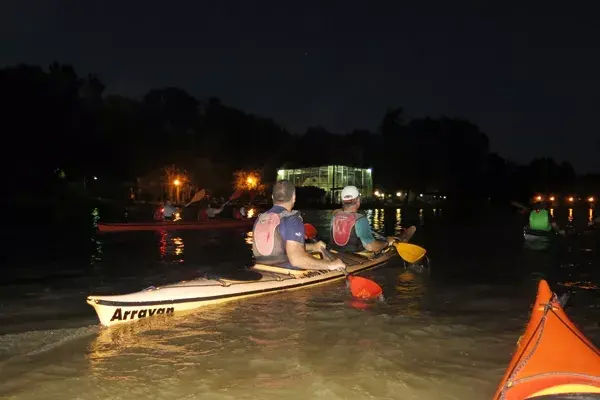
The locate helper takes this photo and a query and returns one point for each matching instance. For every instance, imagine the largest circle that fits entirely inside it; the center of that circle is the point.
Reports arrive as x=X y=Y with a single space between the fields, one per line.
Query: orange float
x=553 y=359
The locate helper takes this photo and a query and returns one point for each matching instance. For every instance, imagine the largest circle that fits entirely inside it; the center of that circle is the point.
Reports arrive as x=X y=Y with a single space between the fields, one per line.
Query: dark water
x=446 y=335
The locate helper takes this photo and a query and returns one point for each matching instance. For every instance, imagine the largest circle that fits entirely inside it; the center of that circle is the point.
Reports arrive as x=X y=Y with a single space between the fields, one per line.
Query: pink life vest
x=343 y=232
x=268 y=247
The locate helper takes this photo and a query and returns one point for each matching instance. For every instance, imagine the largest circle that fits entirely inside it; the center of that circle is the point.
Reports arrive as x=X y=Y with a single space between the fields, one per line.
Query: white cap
x=350 y=193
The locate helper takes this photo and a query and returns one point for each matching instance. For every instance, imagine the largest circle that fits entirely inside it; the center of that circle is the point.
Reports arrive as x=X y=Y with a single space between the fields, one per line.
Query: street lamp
x=177 y=183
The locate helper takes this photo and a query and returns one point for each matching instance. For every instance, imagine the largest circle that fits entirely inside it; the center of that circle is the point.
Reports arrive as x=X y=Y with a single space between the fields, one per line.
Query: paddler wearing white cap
x=350 y=230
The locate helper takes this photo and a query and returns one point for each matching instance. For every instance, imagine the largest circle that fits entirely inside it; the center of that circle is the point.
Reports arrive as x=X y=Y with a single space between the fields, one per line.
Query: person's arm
x=363 y=231
x=315 y=247
x=300 y=258
x=292 y=231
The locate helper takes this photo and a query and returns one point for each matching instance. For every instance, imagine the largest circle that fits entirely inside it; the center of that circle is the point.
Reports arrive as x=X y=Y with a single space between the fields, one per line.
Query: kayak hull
x=175 y=226
x=552 y=357
x=189 y=295
x=538 y=240
x=532 y=235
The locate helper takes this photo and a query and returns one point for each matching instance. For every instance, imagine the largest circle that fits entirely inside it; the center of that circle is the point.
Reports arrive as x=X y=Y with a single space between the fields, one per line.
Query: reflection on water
x=574 y=216
x=178 y=242
x=233 y=349
x=95 y=217
x=581 y=285
x=410 y=288
x=570 y=215
x=398 y=225
x=421 y=217
x=170 y=246
x=249 y=238
x=376 y=218
x=145 y=341
x=96 y=254
x=379 y=219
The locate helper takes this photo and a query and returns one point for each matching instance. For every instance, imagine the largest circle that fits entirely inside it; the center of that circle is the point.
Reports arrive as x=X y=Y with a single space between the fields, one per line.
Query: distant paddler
x=168 y=211
x=213 y=212
x=351 y=232
x=540 y=219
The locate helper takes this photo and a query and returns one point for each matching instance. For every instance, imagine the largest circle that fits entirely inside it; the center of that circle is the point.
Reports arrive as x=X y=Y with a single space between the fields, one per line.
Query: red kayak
x=175 y=226
x=553 y=359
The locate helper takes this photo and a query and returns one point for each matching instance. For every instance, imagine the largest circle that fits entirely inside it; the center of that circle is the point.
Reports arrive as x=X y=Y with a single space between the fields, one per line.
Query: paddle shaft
x=328 y=254
x=331 y=257
x=325 y=252
x=379 y=236
x=234 y=196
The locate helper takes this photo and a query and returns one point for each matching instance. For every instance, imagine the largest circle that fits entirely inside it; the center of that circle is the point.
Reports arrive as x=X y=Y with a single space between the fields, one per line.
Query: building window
x=331 y=178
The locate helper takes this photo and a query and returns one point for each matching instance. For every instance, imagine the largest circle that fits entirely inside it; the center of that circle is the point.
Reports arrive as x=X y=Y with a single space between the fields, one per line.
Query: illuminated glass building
x=332 y=179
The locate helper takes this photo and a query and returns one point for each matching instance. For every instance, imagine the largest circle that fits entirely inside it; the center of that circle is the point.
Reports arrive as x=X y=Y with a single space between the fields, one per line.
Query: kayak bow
x=553 y=358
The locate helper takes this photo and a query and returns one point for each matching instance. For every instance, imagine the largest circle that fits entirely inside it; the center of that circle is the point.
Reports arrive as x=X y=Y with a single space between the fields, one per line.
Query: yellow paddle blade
x=411 y=253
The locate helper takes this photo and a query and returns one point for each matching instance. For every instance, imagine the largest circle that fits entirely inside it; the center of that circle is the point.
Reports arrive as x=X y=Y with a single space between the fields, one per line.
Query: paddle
x=519 y=205
x=197 y=197
x=310 y=232
x=360 y=287
x=411 y=253
x=234 y=196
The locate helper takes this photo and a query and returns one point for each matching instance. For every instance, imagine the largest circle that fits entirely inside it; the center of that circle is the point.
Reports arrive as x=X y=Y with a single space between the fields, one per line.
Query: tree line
x=58 y=120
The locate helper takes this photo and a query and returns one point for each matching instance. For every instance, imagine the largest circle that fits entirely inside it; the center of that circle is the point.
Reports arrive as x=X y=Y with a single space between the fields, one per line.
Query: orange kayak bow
x=553 y=358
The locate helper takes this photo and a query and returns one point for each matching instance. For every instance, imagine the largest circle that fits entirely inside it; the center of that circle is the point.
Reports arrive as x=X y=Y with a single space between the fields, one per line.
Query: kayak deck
x=179 y=225
x=552 y=357
x=188 y=295
x=533 y=234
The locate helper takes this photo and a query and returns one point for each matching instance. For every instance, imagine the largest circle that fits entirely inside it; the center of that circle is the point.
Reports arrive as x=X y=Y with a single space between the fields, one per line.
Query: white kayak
x=256 y=281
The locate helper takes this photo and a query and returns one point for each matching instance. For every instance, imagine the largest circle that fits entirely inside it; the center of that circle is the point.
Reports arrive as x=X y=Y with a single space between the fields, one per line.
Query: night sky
x=526 y=74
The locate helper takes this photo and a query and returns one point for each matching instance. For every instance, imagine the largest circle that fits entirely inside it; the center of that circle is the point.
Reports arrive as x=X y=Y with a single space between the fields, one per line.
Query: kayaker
x=239 y=213
x=279 y=235
x=540 y=219
x=168 y=210
x=212 y=212
x=350 y=230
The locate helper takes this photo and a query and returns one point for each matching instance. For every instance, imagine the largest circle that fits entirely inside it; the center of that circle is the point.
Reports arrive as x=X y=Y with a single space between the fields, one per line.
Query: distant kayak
x=532 y=235
x=553 y=359
x=179 y=225
x=539 y=240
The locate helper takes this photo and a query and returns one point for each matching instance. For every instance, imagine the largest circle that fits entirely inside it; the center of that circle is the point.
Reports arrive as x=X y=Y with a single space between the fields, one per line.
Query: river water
x=448 y=334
